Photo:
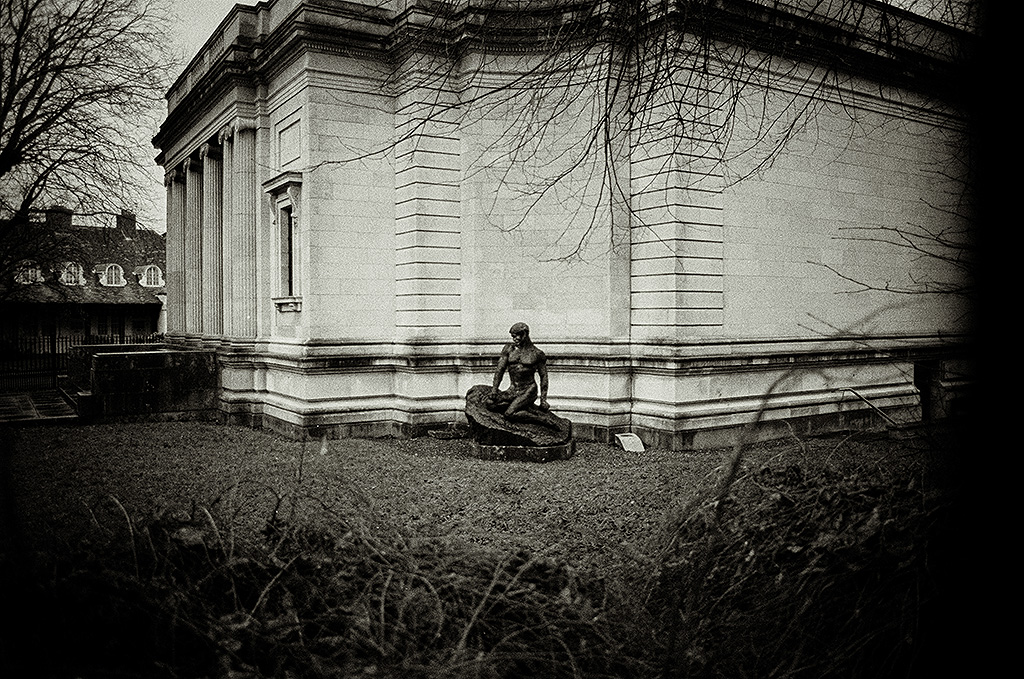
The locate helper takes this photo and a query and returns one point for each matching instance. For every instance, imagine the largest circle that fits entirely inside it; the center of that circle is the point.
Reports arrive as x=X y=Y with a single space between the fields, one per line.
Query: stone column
x=193 y=247
x=175 y=245
x=246 y=199
x=227 y=142
x=211 y=244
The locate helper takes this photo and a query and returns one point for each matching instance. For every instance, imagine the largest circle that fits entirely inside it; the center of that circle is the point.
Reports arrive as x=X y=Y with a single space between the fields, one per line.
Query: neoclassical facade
x=701 y=230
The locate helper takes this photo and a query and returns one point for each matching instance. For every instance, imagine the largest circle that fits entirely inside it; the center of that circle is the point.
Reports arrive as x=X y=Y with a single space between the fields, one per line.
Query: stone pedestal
x=525 y=453
x=540 y=436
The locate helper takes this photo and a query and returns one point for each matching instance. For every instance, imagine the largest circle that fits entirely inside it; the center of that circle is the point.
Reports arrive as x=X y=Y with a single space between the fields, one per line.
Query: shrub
x=797 y=572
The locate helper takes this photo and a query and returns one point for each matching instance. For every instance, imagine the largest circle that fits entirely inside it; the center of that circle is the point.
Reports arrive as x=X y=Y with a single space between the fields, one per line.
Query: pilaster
x=677 y=232
x=428 y=230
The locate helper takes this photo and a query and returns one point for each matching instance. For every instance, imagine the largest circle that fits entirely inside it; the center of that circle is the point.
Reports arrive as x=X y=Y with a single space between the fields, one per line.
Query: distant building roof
x=131 y=248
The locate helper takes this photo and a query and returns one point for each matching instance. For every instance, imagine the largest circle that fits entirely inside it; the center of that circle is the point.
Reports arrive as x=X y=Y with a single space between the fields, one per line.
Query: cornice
x=888 y=45
x=922 y=57
x=211 y=88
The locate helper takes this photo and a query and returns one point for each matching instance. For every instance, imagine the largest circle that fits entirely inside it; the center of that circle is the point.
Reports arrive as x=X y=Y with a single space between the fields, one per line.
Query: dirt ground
x=64 y=483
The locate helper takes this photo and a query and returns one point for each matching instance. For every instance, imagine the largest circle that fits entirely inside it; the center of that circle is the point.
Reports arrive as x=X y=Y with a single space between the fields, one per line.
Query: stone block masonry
x=428 y=231
x=380 y=194
x=125 y=382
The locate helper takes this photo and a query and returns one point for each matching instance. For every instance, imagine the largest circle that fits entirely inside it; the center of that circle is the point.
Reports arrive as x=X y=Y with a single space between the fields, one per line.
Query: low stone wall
x=120 y=382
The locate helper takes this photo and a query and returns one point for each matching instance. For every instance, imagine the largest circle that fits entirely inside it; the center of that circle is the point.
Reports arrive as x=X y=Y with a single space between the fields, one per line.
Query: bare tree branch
x=942 y=245
x=728 y=85
x=81 y=83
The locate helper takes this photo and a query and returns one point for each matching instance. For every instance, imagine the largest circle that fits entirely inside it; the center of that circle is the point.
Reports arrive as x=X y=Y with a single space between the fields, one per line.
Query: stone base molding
x=676 y=400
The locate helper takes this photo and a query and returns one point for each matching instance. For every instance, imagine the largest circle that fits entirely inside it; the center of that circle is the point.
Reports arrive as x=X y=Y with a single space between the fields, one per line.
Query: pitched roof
x=131 y=248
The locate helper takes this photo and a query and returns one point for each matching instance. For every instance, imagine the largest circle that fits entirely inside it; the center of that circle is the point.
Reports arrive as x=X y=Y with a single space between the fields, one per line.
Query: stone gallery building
x=709 y=213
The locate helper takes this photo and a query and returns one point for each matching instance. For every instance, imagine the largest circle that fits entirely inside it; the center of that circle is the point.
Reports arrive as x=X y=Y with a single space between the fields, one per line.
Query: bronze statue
x=517 y=423
x=522 y=360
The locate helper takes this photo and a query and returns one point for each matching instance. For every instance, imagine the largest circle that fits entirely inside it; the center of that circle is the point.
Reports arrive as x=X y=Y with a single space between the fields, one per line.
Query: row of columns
x=212 y=204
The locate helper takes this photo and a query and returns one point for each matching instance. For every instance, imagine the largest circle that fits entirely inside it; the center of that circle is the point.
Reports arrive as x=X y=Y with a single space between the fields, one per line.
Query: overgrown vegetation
x=809 y=565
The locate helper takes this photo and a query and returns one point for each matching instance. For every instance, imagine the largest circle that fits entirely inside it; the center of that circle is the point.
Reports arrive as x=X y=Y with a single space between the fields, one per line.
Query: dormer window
x=111 y=275
x=72 y=274
x=28 y=273
x=150 y=276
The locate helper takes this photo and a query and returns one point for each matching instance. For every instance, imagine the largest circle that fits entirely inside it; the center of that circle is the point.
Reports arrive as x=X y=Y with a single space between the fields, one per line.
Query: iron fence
x=29 y=363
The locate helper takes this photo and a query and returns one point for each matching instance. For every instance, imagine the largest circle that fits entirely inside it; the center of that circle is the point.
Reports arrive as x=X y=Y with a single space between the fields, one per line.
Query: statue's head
x=519 y=332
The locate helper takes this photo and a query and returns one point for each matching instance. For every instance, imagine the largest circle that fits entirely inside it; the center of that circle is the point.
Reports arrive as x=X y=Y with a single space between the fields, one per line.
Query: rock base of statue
x=539 y=436
x=525 y=453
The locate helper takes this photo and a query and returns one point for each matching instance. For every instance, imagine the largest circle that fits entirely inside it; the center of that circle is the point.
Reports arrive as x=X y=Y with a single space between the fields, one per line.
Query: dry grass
x=592 y=507
x=188 y=550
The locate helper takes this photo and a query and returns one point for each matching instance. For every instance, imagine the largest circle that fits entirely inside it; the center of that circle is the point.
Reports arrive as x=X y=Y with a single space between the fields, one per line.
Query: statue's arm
x=542 y=371
x=499 y=372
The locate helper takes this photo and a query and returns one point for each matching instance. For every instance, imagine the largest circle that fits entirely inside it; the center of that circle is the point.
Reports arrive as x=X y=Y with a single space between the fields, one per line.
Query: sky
x=195 y=21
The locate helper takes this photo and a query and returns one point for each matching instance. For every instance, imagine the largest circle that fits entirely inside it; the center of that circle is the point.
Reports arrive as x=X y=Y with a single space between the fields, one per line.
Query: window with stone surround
x=285 y=193
x=111 y=275
x=72 y=273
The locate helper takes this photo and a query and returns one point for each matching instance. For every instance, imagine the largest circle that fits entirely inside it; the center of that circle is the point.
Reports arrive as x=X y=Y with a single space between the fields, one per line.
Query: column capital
x=243 y=124
x=190 y=164
x=173 y=175
x=226 y=133
x=209 y=150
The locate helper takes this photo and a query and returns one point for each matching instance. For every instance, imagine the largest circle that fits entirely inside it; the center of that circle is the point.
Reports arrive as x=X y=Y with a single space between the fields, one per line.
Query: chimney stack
x=58 y=218
x=126 y=223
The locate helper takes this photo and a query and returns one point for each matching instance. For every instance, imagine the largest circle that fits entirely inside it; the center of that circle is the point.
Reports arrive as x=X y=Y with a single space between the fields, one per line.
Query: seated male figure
x=521 y=359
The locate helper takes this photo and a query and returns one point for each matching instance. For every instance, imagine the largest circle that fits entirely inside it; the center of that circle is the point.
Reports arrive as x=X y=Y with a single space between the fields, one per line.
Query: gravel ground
x=600 y=507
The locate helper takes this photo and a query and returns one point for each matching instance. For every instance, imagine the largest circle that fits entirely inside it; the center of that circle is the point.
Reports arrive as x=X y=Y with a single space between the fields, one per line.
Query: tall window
x=113 y=276
x=289 y=268
x=72 y=274
x=285 y=192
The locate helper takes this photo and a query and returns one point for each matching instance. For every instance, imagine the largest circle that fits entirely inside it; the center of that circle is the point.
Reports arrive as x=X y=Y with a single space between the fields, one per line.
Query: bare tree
x=723 y=86
x=940 y=241
x=80 y=88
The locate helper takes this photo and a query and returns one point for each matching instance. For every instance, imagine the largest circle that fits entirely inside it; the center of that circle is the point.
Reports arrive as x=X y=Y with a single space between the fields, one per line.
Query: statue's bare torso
x=522 y=361
x=522 y=365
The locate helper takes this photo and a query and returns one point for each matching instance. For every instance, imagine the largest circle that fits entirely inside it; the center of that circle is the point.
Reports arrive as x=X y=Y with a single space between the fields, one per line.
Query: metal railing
x=29 y=363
